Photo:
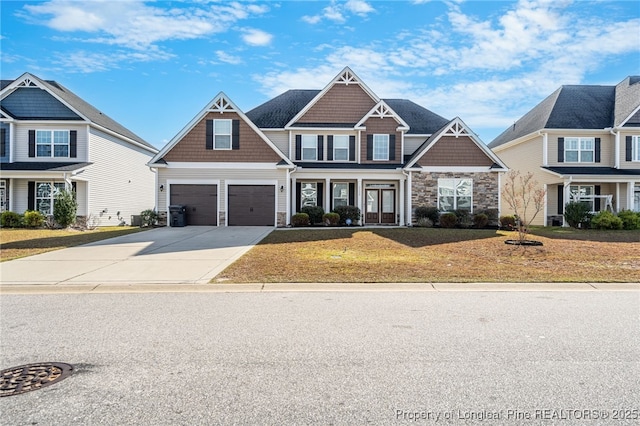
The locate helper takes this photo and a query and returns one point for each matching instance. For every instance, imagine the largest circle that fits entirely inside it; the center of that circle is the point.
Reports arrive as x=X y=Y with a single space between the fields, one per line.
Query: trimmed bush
x=507 y=222
x=10 y=220
x=630 y=219
x=492 y=216
x=448 y=220
x=480 y=220
x=300 y=219
x=315 y=213
x=348 y=212
x=577 y=215
x=430 y=213
x=606 y=220
x=65 y=207
x=331 y=219
x=33 y=219
x=148 y=218
x=464 y=217
x=424 y=222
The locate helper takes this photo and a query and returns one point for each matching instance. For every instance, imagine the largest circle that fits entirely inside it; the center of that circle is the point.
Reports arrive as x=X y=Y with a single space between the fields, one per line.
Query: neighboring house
x=583 y=144
x=52 y=140
x=342 y=145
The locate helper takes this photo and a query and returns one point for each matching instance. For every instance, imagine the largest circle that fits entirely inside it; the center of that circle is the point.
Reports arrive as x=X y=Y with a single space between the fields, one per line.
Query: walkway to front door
x=380 y=206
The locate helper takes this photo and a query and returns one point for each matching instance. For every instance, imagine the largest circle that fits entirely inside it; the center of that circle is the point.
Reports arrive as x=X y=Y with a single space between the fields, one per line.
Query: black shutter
x=369 y=147
x=597 y=200
x=73 y=143
x=331 y=206
x=32 y=143
x=209 y=136
x=298 y=147
x=352 y=148
x=298 y=196
x=392 y=147
x=320 y=147
x=31 y=194
x=629 y=148
x=74 y=188
x=320 y=194
x=329 y=148
x=235 y=134
x=3 y=142
x=598 y=147
x=560 y=199
x=352 y=194
x=560 y=150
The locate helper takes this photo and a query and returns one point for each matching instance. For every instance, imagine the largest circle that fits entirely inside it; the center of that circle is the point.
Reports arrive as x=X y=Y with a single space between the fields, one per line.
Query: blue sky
x=153 y=65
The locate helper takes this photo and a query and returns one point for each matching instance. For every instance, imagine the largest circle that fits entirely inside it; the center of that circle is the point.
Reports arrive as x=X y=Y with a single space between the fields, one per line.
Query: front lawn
x=16 y=243
x=437 y=255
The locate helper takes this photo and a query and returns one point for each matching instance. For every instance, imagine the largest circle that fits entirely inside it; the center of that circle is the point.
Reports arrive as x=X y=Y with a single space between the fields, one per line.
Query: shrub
x=464 y=217
x=630 y=219
x=348 y=212
x=606 y=220
x=331 y=219
x=65 y=207
x=448 y=220
x=33 y=219
x=507 y=222
x=492 y=216
x=148 y=217
x=577 y=214
x=315 y=213
x=430 y=213
x=300 y=219
x=10 y=220
x=480 y=220
x=424 y=222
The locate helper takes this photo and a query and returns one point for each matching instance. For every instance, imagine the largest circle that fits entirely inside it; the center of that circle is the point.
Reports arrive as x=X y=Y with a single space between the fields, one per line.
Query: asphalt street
x=340 y=358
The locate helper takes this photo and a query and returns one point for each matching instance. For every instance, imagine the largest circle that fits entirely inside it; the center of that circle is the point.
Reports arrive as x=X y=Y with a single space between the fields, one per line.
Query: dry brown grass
x=438 y=255
x=16 y=243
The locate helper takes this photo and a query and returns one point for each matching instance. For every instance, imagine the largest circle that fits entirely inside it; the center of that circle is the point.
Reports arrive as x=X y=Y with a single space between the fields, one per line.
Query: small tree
x=523 y=195
x=65 y=208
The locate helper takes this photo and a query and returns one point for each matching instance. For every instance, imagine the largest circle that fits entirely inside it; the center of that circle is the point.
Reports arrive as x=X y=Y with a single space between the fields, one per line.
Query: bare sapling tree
x=525 y=197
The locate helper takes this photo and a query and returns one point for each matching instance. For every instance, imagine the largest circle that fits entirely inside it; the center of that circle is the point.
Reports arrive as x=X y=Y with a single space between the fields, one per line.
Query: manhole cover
x=26 y=378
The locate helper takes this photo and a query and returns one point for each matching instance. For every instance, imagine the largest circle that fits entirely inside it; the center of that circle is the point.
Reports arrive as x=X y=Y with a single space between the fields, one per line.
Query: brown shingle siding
x=452 y=151
x=341 y=104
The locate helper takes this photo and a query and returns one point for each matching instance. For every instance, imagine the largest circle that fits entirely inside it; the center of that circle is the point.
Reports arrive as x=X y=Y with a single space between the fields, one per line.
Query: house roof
x=24 y=101
x=578 y=107
x=600 y=171
x=43 y=166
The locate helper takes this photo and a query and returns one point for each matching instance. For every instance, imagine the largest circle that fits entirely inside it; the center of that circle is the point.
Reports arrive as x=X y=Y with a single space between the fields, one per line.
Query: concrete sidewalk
x=188 y=255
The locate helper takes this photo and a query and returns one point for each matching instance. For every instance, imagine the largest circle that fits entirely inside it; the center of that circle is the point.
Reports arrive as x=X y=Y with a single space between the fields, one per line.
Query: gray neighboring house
x=583 y=144
x=51 y=139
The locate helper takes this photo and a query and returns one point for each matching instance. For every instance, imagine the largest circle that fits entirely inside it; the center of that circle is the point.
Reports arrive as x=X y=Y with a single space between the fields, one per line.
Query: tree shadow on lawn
x=411 y=237
x=63 y=241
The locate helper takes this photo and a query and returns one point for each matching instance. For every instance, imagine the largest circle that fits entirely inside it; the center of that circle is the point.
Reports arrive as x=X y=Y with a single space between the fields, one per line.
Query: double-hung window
x=45 y=194
x=583 y=194
x=455 y=194
x=52 y=143
x=340 y=194
x=380 y=147
x=222 y=134
x=340 y=148
x=635 y=150
x=309 y=147
x=579 y=150
x=308 y=194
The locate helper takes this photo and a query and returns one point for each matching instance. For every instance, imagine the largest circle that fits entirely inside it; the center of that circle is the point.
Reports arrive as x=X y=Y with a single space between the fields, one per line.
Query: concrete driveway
x=189 y=255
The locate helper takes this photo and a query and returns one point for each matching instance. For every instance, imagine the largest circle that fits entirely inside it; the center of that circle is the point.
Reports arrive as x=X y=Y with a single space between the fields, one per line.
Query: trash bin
x=177 y=215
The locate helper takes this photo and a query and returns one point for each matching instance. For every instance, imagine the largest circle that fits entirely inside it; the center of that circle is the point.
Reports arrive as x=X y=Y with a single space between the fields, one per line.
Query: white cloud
x=227 y=58
x=359 y=7
x=88 y=62
x=339 y=12
x=256 y=37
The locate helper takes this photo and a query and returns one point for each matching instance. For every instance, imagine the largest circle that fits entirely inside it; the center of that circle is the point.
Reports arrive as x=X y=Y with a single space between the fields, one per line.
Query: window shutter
x=560 y=150
x=3 y=142
x=560 y=199
x=73 y=143
x=352 y=148
x=330 y=148
x=298 y=196
x=369 y=147
x=235 y=134
x=392 y=147
x=598 y=148
x=629 y=148
x=74 y=188
x=320 y=147
x=596 y=203
x=298 y=147
x=209 y=135
x=31 y=194
x=32 y=143
x=320 y=194
x=352 y=194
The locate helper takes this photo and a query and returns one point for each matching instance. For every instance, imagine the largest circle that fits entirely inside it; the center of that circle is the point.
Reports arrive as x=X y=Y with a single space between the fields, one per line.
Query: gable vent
x=27 y=82
x=382 y=111
x=222 y=105
x=457 y=130
x=347 y=78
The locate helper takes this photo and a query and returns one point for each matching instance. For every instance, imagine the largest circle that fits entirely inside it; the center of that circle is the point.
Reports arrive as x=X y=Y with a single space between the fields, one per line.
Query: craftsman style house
x=583 y=144
x=341 y=145
x=51 y=139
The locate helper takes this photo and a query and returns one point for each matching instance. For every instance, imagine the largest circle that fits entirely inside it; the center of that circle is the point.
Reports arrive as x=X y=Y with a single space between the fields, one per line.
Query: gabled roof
x=44 y=166
x=456 y=128
x=221 y=104
x=421 y=121
x=591 y=171
x=24 y=93
x=382 y=110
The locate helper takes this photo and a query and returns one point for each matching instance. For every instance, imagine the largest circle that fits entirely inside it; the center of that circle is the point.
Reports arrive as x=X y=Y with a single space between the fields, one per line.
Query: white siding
x=412 y=143
x=21 y=148
x=280 y=139
x=624 y=164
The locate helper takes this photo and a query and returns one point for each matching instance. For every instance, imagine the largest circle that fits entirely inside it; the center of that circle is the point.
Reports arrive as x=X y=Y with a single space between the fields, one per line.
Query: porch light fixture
x=161 y=188
x=281 y=188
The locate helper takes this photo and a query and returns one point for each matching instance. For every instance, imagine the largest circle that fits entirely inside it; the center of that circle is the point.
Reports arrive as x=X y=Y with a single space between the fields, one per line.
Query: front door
x=381 y=206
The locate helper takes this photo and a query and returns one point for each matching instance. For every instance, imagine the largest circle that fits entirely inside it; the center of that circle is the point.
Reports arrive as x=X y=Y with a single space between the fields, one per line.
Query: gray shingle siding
x=36 y=104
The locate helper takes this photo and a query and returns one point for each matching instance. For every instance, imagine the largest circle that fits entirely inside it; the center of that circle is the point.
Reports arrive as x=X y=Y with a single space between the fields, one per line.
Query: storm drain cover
x=26 y=378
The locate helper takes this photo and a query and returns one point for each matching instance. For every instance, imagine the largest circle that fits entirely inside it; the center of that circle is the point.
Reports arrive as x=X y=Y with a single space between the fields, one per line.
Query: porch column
x=565 y=199
x=287 y=199
x=409 y=196
x=630 y=190
x=546 y=204
x=617 y=196
x=327 y=195
x=294 y=208
x=359 y=192
x=401 y=202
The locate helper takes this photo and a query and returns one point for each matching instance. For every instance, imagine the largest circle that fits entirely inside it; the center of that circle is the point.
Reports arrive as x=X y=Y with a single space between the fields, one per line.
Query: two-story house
x=51 y=139
x=341 y=145
x=583 y=144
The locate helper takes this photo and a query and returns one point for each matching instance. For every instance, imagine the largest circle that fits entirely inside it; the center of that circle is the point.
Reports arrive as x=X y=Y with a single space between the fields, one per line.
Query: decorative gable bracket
x=347 y=77
x=221 y=104
x=382 y=110
x=26 y=82
x=457 y=129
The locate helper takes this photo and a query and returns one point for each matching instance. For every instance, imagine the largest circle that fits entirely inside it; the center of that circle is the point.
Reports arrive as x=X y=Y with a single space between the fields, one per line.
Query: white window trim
x=455 y=195
x=579 y=150
x=230 y=134
x=378 y=136
x=333 y=194
x=53 y=144
x=315 y=185
x=335 y=149
x=315 y=147
x=635 y=148
x=52 y=195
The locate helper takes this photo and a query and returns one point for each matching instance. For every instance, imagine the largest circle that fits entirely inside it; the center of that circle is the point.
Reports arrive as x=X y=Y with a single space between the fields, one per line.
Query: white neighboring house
x=52 y=139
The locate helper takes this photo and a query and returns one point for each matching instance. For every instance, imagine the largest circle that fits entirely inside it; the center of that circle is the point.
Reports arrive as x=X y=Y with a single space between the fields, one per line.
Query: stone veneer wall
x=486 y=190
x=282 y=219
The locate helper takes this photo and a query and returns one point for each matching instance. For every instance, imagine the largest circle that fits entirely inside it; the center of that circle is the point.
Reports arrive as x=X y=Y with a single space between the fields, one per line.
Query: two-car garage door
x=247 y=205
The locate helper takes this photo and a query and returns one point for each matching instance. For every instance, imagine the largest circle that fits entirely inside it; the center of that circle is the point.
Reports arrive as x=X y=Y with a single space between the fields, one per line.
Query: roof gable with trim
x=382 y=110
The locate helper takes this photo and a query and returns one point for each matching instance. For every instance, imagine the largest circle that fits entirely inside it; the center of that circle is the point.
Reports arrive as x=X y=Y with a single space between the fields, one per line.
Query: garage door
x=252 y=205
x=201 y=202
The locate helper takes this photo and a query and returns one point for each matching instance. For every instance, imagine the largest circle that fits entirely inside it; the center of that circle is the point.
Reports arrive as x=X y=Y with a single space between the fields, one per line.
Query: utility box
x=177 y=215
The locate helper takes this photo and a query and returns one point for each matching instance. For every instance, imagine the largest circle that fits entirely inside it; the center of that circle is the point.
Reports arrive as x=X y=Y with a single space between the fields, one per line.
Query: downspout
x=545 y=148
x=616 y=148
x=287 y=221
x=156 y=179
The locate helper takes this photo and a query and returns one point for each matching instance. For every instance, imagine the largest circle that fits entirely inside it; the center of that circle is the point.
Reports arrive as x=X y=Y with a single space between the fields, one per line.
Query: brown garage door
x=201 y=202
x=252 y=205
